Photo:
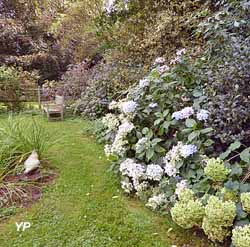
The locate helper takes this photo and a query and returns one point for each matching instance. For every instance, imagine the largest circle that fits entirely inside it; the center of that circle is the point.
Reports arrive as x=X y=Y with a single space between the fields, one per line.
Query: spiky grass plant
x=18 y=137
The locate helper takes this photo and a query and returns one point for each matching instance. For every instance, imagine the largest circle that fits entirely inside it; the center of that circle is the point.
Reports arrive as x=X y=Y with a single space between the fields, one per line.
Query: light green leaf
x=190 y=122
x=245 y=155
x=193 y=135
x=234 y=146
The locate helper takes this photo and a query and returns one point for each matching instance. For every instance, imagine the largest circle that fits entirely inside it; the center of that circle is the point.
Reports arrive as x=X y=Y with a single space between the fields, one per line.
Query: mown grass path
x=85 y=207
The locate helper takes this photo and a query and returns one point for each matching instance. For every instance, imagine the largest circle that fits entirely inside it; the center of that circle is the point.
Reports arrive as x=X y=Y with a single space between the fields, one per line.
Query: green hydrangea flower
x=227 y=195
x=188 y=212
x=219 y=216
x=245 y=201
x=216 y=170
x=186 y=195
x=241 y=236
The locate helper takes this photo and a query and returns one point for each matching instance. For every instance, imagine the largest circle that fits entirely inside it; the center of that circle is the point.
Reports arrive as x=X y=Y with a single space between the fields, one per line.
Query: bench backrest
x=59 y=100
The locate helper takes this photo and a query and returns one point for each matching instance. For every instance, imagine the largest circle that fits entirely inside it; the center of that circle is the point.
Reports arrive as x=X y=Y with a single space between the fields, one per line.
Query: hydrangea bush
x=159 y=140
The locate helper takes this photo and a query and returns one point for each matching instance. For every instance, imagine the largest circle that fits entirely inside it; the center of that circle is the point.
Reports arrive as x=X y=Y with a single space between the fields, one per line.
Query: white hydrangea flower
x=202 y=115
x=132 y=169
x=187 y=112
x=110 y=121
x=154 y=172
x=127 y=186
x=183 y=114
x=156 y=201
x=160 y=60
x=125 y=128
x=128 y=107
x=153 y=105
x=144 y=83
x=140 y=186
x=170 y=170
x=177 y=115
x=163 y=69
x=171 y=159
x=183 y=184
x=175 y=60
x=118 y=146
x=187 y=150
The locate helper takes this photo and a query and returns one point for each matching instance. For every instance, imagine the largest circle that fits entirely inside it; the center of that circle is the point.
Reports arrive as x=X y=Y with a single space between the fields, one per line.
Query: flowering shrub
x=187 y=212
x=245 y=200
x=216 y=170
x=219 y=216
x=241 y=236
x=159 y=139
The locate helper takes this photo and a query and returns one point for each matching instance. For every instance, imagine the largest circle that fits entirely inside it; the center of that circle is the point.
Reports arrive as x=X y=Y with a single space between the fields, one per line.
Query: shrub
x=241 y=236
x=187 y=212
x=216 y=170
x=245 y=201
x=219 y=216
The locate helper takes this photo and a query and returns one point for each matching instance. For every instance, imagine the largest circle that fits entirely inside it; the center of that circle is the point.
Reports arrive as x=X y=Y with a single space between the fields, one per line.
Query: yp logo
x=22 y=226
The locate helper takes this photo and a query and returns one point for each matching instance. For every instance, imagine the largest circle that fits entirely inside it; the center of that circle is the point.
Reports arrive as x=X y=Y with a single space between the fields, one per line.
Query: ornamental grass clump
x=219 y=216
x=241 y=236
x=216 y=170
x=188 y=212
x=245 y=201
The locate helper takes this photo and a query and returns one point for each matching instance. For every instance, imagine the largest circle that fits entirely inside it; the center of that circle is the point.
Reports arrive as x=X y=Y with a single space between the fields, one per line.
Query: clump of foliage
x=241 y=236
x=216 y=170
x=160 y=130
x=187 y=212
x=16 y=86
x=18 y=137
x=219 y=216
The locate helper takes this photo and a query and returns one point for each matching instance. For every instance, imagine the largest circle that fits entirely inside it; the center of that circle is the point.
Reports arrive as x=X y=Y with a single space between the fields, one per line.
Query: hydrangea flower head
x=153 y=105
x=160 y=60
x=128 y=107
x=163 y=69
x=187 y=150
x=156 y=201
x=202 y=115
x=184 y=113
x=154 y=172
x=144 y=83
x=177 y=115
x=187 y=112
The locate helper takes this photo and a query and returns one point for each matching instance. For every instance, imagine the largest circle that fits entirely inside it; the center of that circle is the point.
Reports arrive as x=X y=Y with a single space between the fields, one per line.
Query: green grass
x=86 y=207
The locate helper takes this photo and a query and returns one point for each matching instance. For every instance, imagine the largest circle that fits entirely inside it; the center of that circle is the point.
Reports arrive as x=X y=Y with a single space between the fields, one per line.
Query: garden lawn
x=85 y=206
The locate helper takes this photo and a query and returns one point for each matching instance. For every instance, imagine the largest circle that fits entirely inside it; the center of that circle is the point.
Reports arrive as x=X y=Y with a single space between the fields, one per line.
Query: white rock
x=32 y=162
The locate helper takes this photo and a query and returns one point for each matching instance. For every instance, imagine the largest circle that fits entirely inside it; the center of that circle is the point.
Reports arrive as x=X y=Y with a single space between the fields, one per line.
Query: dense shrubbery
x=162 y=140
x=16 y=86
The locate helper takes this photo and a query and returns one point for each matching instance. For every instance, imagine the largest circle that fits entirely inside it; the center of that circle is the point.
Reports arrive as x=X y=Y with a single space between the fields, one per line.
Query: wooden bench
x=54 y=110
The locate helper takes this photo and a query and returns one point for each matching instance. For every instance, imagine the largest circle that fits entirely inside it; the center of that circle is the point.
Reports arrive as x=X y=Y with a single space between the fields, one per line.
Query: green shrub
x=219 y=216
x=241 y=236
x=188 y=212
x=245 y=201
x=216 y=170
